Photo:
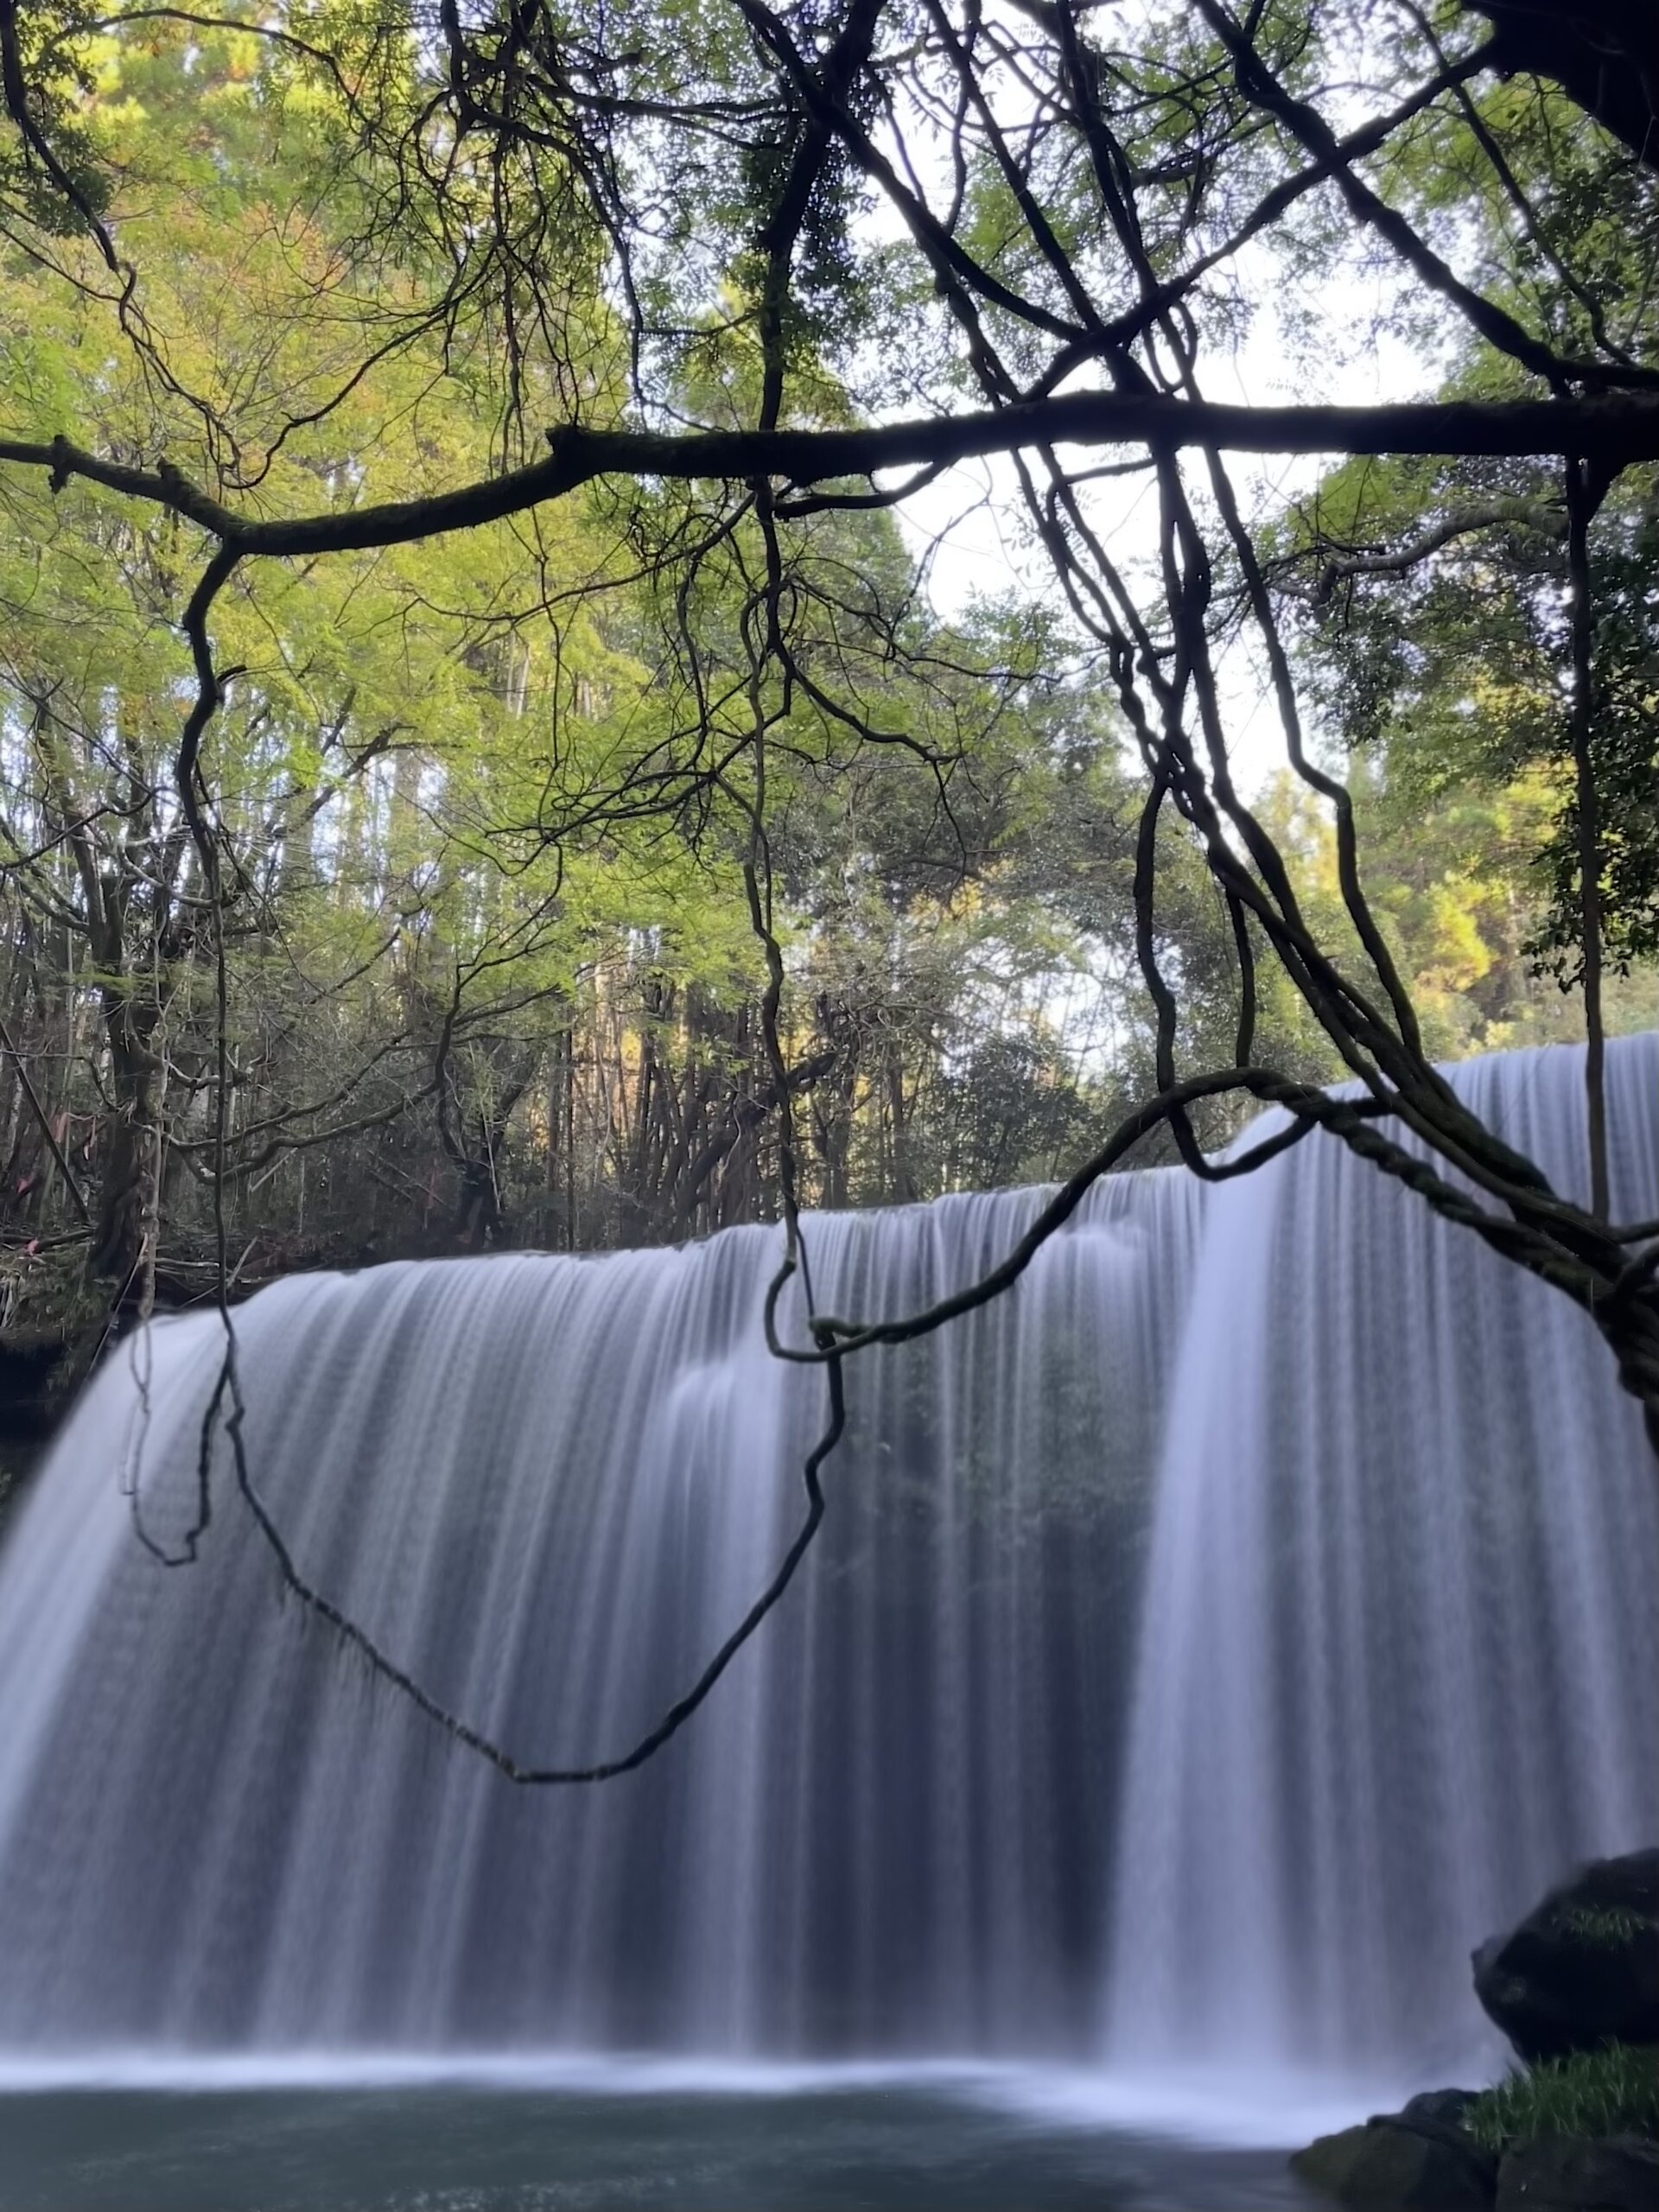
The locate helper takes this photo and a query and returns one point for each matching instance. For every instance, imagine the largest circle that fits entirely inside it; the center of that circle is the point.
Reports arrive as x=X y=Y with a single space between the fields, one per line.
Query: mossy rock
x=1559 y=2173
x=1410 y=2163
x=1582 y=1968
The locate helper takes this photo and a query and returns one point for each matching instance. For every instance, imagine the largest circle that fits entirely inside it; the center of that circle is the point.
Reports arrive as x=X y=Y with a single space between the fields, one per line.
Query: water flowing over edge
x=1187 y=1631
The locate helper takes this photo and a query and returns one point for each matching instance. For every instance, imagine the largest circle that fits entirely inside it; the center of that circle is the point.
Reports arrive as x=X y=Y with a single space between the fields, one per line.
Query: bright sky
x=1309 y=340
x=1330 y=349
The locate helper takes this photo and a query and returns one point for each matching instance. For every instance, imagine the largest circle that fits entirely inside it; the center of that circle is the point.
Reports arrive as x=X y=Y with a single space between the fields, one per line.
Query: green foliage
x=1612 y=2091
x=1444 y=678
x=486 y=799
x=1612 y=1926
x=53 y=176
x=484 y=858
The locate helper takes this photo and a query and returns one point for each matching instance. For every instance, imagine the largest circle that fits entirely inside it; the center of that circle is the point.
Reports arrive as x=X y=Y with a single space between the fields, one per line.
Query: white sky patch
x=1333 y=336
x=1339 y=347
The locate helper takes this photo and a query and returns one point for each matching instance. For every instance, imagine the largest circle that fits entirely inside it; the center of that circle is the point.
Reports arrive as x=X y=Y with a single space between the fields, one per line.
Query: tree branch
x=1463 y=522
x=1615 y=430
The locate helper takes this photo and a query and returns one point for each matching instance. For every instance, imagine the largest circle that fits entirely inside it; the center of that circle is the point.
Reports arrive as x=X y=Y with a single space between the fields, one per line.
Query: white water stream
x=1207 y=1643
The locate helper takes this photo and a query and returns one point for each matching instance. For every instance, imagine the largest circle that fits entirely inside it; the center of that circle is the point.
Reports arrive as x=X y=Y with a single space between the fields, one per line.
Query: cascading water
x=1399 y=1664
x=1240 y=1619
x=549 y=1487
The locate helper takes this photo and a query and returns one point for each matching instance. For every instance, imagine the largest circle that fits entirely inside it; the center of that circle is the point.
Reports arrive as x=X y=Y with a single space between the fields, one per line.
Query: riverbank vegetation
x=1610 y=2092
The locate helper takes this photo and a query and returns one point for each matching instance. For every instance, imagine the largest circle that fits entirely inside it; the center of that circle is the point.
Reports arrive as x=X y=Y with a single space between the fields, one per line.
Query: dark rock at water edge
x=1560 y=2173
x=1418 y=2160
x=1582 y=1968
x=1579 y=1973
x=1439 y=2108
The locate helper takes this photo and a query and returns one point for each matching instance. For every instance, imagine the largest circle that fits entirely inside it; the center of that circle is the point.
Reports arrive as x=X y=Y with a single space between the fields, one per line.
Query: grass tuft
x=1611 y=1925
x=1612 y=2091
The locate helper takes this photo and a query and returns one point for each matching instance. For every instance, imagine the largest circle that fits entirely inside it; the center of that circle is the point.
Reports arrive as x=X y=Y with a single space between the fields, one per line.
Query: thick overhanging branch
x=1614 y=430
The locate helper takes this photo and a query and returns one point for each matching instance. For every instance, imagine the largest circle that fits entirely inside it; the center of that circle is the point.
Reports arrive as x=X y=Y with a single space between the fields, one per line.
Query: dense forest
x=542 y=881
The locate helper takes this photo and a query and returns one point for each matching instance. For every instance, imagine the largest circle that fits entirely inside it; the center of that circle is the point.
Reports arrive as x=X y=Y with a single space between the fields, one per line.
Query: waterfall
x=1206 y=1642
x=549 y=1487
x=1399 y=1663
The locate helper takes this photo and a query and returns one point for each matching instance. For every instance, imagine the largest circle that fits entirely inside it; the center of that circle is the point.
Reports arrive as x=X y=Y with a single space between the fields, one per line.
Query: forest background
x=487 y=802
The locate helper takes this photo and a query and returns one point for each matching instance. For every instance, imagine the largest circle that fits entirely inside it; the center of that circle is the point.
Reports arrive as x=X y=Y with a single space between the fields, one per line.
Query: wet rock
x=1447 y=2107
x=1417 y=2160
x=1582 y=1968
x=1563 y=2173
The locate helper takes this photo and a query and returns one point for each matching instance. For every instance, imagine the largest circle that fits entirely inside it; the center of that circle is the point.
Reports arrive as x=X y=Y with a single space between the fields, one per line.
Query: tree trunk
x=129 y=1180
